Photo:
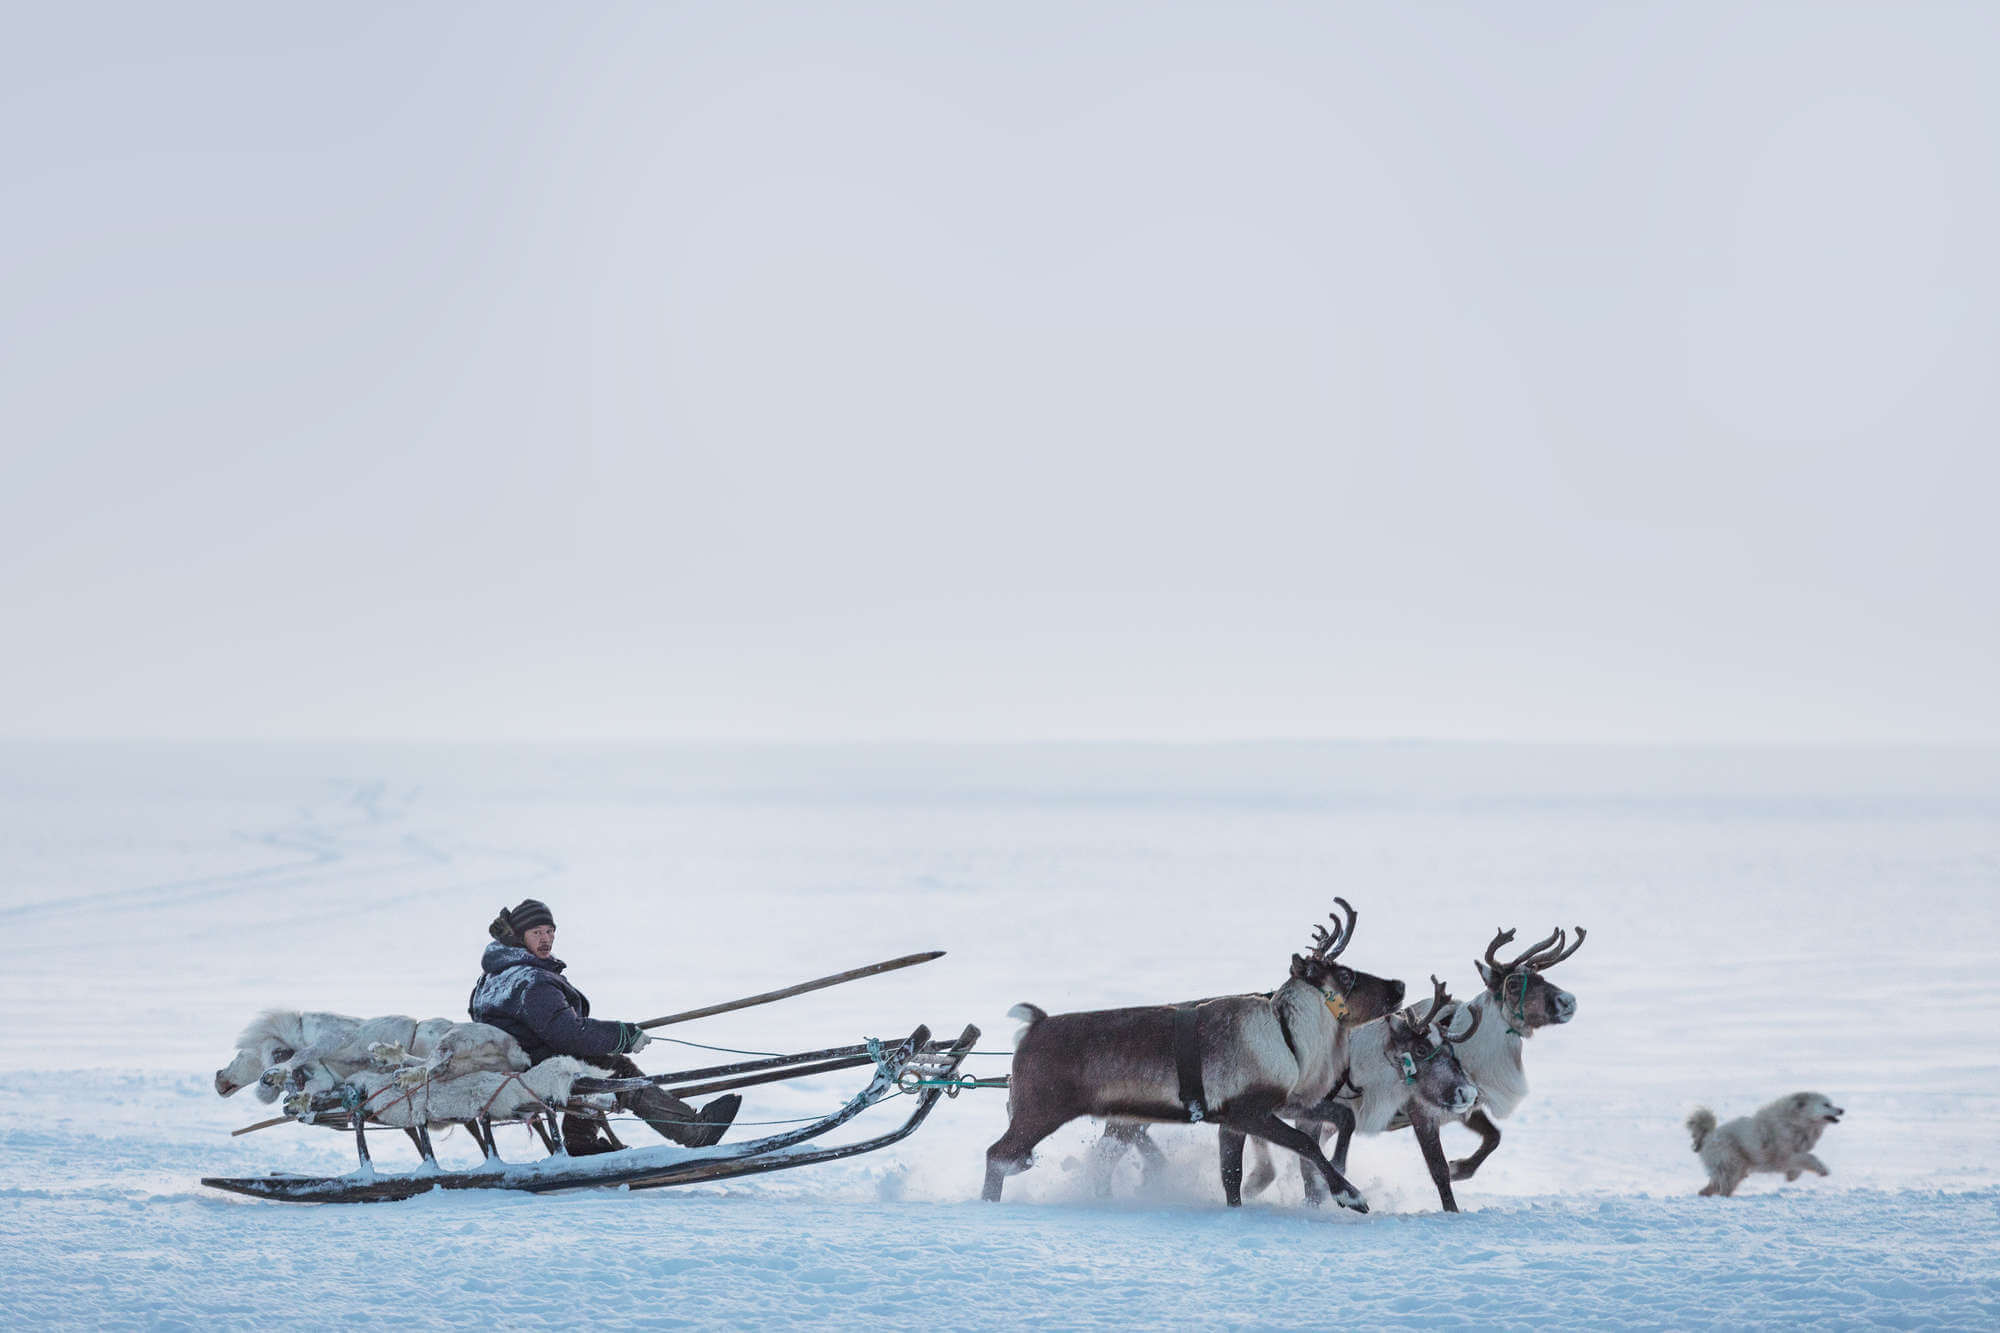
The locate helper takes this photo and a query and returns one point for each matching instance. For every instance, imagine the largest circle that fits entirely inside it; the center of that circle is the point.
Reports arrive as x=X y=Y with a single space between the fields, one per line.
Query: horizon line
x=1023 y=743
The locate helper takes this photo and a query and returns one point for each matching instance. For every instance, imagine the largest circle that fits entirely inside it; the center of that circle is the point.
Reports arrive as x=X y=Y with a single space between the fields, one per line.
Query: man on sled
x=523 y=993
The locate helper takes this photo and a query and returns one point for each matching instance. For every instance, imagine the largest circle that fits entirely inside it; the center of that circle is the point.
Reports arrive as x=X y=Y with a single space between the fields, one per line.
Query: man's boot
x=583 y=1137
x=716 y=1118
x=676 y=1121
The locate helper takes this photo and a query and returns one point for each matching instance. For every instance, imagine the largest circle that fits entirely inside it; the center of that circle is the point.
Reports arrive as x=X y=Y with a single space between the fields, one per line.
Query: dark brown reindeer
x=1233 y=1060
x=1517 y=1002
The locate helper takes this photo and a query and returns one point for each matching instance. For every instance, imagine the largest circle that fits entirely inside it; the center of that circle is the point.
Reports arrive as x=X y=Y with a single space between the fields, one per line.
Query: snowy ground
x=1760 y=922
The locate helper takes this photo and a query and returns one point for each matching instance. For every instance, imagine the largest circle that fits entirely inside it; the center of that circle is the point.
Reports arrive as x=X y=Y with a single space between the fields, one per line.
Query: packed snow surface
x=1760 y=922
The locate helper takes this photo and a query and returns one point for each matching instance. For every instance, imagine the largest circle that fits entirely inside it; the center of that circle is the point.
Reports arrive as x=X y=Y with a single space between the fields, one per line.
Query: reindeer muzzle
x=224 y=1085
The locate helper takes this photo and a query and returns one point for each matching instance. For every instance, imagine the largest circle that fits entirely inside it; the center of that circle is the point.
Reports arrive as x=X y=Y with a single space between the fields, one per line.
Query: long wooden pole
x=772 y=1076
x=854 y=974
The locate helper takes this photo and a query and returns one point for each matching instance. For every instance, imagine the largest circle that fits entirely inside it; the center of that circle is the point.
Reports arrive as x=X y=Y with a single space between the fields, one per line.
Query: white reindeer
x=1515 y=1003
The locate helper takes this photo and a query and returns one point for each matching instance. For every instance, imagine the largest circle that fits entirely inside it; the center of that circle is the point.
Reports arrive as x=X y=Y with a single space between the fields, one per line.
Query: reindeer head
x=1527 y=999
x=1420 y=1049
x=1355 y=997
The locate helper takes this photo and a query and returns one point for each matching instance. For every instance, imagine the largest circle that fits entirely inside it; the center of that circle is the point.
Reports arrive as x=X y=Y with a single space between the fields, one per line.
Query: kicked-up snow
x=1760 y=922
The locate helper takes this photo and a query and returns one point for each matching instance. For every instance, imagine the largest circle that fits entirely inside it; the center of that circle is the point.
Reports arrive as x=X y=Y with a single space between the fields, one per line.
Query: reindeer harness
x=1187 y=1064
x=1187 y=1051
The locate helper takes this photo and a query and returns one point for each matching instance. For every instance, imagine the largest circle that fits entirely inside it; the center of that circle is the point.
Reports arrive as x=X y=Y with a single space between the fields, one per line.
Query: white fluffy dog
x=1780 y=1137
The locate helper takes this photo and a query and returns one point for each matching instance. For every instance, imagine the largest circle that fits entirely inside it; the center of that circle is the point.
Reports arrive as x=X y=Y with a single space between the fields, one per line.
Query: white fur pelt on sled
x=388 y=1100
x=312 y=1051
x=459 y=1049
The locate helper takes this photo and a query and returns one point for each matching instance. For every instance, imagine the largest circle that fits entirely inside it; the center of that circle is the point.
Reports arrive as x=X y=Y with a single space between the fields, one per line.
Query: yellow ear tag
x=1337 y=1005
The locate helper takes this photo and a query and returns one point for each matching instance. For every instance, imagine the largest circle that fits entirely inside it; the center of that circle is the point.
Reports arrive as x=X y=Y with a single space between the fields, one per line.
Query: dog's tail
x=1701 y=1123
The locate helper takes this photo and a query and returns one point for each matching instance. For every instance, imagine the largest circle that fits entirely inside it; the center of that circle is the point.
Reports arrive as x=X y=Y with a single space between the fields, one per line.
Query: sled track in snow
x=327 y=856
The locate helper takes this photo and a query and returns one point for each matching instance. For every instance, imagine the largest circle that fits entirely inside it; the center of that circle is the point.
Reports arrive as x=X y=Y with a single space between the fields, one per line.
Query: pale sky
x=1004 y=371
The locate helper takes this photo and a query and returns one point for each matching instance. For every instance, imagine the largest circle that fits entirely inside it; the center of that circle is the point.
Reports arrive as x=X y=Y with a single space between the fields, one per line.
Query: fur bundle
x=290 y=1050
x=502 y=1095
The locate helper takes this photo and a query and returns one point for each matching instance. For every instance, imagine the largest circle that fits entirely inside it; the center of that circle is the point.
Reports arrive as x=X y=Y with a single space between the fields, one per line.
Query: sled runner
x=918 y=1067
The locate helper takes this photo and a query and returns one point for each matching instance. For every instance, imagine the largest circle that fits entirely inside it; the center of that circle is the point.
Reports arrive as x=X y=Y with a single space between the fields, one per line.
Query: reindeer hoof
x=1354 y=1201
x=1462 y=1169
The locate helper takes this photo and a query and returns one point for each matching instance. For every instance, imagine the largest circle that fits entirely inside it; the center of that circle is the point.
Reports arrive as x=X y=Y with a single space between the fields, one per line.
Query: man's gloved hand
x=632 y=1038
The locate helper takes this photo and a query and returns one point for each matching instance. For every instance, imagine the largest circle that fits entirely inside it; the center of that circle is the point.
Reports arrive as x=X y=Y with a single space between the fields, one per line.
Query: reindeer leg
x=1151 y=1160
x=1340 y=1120
x=361 y=1140
x=1232 y=1167
x=1309 y=1178
x=1262 y=1173
x=1489 y=1138
x=1427 y=1139
x=1264 y=1124
x=1341 y=1117
x=1110 y=1146
x=1014 y=1151
x=424 y=1149
x=1102 y=1160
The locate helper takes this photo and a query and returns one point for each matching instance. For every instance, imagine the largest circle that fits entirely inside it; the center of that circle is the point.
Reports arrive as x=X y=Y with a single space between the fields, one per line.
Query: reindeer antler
x=1328 y=946
x=1562 y=953
x=1500 y=937
x=1478 y=1017
x=1551 y=951
x=1439 y=999
x=1528 y=959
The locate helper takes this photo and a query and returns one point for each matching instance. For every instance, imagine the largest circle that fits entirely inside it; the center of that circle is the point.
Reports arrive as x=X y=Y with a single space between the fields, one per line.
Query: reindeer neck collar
x=1407 y=1064
x=1336 y=1003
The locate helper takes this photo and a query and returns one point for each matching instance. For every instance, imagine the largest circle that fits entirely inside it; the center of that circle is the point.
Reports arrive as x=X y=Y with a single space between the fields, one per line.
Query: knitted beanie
x=512 y=925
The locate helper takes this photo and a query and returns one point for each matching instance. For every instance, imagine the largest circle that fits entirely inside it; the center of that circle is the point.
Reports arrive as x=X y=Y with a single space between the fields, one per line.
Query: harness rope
x=909 y=1081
